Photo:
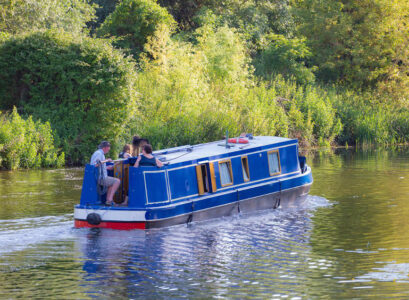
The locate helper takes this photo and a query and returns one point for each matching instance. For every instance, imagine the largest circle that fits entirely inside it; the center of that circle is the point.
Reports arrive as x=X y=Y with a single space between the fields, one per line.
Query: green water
x=350 y=240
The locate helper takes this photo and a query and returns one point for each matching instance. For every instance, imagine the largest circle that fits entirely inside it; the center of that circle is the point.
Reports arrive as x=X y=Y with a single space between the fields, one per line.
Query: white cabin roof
x=202 y=151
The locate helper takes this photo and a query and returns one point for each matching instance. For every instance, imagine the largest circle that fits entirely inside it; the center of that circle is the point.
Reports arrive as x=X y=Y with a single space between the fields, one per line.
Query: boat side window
x=245 y=167
x=274 y=162
x=226 y=174
x=202 y=179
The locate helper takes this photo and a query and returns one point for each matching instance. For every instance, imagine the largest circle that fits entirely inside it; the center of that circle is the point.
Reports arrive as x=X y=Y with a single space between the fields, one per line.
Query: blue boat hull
x=289 y=198
x=286 y=193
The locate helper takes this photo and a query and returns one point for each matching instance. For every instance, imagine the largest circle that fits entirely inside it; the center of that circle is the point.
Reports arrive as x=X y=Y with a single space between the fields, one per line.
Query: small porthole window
x=226 y=174
x=245 y=168
x=274 y=162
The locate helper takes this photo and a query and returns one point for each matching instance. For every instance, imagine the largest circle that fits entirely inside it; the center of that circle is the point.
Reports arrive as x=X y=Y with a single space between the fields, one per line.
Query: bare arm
x=159 y=163
x=137 y=162
x=102 y=162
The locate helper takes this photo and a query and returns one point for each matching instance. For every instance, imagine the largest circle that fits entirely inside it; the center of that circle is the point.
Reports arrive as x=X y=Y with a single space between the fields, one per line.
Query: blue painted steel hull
x=265 y=196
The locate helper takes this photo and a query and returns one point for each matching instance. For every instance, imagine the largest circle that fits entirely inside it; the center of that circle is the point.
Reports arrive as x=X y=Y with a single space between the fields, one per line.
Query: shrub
x=27 y=144
x=286 y=57
x=83 y=87
x=133 y=21
x=19 y=16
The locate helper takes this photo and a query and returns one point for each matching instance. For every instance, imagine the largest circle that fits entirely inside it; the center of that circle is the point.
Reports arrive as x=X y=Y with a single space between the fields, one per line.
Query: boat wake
x=20 y=234
x=314 y=202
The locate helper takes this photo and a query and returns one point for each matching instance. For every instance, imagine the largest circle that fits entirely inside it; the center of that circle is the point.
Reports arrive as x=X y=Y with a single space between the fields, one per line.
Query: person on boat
x=136 y=140
x=147 y=159
x=110 y=182
x=126 y=152
x=143 y=142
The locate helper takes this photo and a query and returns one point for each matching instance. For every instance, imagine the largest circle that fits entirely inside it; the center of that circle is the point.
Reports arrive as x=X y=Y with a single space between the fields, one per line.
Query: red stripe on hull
x=111 y=225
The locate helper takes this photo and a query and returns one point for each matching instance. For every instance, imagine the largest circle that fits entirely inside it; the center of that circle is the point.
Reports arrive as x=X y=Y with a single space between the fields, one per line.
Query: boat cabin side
x=151 y=186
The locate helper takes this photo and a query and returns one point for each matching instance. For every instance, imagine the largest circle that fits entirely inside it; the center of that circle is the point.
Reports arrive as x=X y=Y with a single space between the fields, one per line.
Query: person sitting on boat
x=147 y=159
x=126 y=152
x=110 y=182
x=143 y=142
x=136 y=140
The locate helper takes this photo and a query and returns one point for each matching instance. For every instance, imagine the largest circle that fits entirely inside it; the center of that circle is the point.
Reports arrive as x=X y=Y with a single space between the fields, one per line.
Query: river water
x=349 y=240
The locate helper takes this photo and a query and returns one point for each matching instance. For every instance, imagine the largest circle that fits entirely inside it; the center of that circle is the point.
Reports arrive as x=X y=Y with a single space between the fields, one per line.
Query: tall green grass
x=27 y=144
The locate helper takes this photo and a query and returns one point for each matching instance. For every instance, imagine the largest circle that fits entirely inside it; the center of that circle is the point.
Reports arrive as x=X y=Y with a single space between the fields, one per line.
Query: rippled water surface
x=349 y=240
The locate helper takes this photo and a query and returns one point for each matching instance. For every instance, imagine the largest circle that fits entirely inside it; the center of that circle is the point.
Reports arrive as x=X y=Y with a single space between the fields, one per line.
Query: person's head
x=105 y=146
x=126 y=149
x=147 y=149
x=143 y=142
x=136 y=140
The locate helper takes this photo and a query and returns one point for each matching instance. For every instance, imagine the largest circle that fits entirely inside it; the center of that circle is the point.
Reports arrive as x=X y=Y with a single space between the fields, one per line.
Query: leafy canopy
x=133 y=21
x=83 y=87
x=357 y=42
x=19 y=16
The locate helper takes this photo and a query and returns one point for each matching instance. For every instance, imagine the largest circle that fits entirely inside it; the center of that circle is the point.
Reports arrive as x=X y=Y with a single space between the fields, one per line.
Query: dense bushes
x=133 y=21
x=83 y=87
x=19 y=16
x=27 y=144
x=194 y=93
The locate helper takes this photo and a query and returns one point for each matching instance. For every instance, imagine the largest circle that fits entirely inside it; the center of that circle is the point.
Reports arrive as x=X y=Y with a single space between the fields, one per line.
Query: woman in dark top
x=136 y=140
x=147 y=159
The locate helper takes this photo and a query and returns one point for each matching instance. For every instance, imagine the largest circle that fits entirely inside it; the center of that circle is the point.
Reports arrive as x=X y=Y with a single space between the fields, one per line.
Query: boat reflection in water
x=199 y=182
x=222 y=257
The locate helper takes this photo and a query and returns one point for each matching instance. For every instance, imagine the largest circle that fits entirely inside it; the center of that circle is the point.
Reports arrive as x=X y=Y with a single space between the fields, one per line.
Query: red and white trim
x=115 y=219
x=111 y=225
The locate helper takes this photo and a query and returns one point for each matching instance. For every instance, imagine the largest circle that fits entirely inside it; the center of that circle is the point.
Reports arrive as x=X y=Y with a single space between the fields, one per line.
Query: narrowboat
x=198 y=182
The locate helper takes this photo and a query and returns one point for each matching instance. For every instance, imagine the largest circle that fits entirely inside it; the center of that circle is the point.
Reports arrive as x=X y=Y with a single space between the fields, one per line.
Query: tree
x=18 y=16
x=357 y=42
x=82 y=86
x=103 y=10
x=285 y=56
x=133 y=21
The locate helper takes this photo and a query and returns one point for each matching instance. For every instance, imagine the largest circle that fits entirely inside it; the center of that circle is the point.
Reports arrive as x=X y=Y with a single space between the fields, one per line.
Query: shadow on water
x=349 y=240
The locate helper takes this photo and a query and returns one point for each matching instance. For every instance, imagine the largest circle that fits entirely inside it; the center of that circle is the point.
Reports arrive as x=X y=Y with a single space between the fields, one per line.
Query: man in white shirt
x=110 y=182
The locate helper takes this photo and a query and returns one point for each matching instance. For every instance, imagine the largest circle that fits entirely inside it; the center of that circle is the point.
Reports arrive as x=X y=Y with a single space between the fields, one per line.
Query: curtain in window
x=245 y=175
x=273 y=163
x=225 y=174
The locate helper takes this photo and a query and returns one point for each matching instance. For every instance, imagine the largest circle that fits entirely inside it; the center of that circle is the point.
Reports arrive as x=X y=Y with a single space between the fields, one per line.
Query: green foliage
x=370 y=118
x=133 y=21
x=194 y=93
x=19 y=16
x=255 y=19
x=103 y=10
x=27 y=144
x=224 y=54
x=286 y=57
x=83 y=87
x=359 y=43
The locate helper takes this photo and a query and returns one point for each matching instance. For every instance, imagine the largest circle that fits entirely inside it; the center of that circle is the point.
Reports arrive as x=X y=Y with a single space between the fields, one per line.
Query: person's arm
x=159 y=163
x=137 y=161
x=102 y=162
x=109 y=167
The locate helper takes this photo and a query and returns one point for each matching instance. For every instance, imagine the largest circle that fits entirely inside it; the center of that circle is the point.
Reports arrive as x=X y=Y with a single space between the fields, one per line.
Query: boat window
x=274 y=162
x=245 y=167
x=202 y=179
x=226 y=175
